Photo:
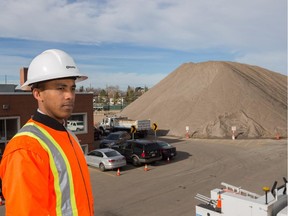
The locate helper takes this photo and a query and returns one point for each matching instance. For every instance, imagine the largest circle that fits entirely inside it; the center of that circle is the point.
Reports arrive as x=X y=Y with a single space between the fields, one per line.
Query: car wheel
x=135 y=161
x=102 y=167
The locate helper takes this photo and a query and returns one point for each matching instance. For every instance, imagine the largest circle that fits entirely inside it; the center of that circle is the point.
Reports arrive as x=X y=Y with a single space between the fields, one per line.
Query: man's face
x=56 y=98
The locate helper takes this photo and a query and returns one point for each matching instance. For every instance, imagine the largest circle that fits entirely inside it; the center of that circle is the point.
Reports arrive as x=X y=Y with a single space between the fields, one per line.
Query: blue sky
x=139 y=42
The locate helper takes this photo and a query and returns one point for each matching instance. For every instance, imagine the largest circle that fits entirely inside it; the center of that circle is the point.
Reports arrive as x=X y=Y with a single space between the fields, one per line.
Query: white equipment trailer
x=234 y=201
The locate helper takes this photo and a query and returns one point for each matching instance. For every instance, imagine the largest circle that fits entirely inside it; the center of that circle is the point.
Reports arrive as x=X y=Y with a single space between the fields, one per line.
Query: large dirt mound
x=211 y=97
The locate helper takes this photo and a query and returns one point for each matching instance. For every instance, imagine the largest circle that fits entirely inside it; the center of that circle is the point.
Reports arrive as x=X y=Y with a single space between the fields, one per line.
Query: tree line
x=103 y=96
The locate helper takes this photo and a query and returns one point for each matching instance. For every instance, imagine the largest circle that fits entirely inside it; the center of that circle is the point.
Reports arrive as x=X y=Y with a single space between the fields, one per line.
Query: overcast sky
x=139 y=42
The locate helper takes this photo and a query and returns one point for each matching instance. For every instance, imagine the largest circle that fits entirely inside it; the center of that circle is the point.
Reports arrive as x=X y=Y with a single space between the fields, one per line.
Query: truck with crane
x=231 y=200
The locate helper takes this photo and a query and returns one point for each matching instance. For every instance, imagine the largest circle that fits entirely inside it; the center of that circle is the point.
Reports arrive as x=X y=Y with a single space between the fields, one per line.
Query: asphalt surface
x=169 y=187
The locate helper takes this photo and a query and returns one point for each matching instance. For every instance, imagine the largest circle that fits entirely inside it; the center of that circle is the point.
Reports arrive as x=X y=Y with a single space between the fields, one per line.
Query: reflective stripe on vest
x=60 y=167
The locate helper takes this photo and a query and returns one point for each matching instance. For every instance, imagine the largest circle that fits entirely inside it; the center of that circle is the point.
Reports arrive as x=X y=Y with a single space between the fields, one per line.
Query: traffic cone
x=146 y=168
x=219 y=203
x=118 y=172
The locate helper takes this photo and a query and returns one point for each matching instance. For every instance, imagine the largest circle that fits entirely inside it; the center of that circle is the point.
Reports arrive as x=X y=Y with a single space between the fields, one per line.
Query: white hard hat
x=52 y=64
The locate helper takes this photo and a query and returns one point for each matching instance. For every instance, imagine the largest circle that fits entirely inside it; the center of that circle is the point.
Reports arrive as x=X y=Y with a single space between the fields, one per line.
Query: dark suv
x=139 y=151
x=114 y=139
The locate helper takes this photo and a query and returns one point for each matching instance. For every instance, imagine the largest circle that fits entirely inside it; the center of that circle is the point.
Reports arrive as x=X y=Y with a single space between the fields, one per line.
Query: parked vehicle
x=97 y=134
x=75 y=125
x=166 y=149
x=112 y=124
x=114 y=138
x=105 y=159
x=139 y=151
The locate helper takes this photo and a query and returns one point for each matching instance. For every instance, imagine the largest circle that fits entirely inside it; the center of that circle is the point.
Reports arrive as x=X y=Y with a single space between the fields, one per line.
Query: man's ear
x=37 y=94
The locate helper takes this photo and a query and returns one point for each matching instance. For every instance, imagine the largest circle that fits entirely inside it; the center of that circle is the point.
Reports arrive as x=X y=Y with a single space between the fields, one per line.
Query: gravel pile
x=211 y=97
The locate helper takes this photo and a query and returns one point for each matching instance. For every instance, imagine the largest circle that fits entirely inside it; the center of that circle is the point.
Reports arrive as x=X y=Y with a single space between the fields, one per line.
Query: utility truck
x=231 y=200
x=113 y=123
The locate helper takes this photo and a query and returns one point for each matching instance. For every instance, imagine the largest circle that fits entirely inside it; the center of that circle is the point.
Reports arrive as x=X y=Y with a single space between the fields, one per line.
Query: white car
x=105 y=159
x=75 y=125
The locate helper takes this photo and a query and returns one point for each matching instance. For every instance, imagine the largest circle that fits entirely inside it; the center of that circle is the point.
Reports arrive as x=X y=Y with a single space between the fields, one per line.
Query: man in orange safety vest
x=43 y=168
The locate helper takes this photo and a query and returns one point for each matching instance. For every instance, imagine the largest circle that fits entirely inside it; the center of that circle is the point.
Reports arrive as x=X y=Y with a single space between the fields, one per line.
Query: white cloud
x=123 y=80
x=183 y=24
x=256 y=29
x=270 y=60
x=11 y=63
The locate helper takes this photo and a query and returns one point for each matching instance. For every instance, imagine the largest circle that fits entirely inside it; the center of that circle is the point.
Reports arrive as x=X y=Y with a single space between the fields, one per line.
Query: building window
x=9 y=126
x=77 y=123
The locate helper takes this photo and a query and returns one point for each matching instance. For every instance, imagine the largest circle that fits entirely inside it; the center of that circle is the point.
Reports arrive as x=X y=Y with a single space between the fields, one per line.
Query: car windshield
x=113 y=137
x=112 y=153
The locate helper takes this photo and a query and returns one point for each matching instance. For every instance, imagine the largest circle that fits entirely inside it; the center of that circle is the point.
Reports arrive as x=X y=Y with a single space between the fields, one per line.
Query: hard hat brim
x=30 y=82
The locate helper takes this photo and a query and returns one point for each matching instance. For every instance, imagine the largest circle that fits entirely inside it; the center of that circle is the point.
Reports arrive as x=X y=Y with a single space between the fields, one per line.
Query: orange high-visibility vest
x=44 y=172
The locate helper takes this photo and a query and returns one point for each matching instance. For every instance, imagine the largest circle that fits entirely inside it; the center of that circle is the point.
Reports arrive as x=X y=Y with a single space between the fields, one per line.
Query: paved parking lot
x=169 y=188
